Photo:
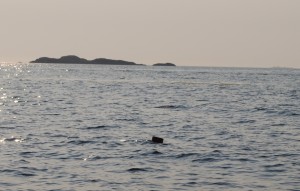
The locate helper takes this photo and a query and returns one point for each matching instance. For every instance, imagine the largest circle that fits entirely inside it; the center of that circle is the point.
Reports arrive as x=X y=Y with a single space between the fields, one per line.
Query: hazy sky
x=241 y=33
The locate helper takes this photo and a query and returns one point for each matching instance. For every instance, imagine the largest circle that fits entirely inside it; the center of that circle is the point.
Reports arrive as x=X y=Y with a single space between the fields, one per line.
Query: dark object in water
x=157 y=139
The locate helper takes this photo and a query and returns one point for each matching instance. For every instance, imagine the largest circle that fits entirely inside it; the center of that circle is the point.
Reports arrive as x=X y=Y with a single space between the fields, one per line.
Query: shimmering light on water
x=76 y=127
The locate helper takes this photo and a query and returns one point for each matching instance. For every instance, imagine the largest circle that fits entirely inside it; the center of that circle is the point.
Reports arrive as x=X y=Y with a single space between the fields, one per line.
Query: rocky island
x=164 y=64
x=71 y=59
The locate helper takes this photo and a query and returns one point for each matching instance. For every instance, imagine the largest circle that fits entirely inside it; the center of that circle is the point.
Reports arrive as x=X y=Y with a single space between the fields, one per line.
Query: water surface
x=87 y=127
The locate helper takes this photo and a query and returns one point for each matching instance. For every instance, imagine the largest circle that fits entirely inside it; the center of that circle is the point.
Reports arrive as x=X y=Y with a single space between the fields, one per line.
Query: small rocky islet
x=164 y=64
x=72 y=59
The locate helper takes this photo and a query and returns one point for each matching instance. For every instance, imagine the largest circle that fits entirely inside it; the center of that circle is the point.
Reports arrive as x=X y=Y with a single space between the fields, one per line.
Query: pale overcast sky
x=239 y=33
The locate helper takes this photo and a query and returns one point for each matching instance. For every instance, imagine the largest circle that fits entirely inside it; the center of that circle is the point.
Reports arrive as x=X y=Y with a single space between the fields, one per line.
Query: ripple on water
x=101 y=127
x=224 y=129
x=135 y=170
x=12 y=139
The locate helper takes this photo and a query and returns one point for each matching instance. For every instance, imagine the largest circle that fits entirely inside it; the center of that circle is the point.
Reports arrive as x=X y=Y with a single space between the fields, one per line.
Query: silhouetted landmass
x=164 y=64
x=76 y=60
x=72 y=59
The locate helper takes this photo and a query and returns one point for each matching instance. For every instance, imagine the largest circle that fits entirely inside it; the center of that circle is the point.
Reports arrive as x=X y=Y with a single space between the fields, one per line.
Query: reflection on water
x=76 y=127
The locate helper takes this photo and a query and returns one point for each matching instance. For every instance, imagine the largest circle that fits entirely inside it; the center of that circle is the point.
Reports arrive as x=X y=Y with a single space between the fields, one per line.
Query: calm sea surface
x=87 y=127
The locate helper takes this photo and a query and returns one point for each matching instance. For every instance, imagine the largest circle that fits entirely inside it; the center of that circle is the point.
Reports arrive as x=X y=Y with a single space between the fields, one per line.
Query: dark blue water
x=76 y=127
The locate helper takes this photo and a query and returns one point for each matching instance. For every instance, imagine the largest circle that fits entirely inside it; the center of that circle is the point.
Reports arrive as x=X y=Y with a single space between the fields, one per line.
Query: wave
x=172 y=107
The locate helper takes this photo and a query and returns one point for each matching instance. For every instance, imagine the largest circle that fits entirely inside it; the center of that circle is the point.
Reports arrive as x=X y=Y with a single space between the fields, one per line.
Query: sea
x=68 y=127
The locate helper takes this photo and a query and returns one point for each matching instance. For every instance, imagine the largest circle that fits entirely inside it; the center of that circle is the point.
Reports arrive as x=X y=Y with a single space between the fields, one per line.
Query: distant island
x=164 y=64
x=71 y=59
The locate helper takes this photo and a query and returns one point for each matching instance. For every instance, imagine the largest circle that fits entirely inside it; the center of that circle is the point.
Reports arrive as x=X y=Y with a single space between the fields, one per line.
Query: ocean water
x=87 y=127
